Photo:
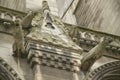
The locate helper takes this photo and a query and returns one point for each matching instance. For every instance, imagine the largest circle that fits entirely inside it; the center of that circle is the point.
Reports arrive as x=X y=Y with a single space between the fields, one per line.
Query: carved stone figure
x=18 y=45
x=94 y=54
x=26 y=22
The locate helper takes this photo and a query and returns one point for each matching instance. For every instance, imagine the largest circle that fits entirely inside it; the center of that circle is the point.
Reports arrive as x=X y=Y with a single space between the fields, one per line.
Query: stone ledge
x=52 y=60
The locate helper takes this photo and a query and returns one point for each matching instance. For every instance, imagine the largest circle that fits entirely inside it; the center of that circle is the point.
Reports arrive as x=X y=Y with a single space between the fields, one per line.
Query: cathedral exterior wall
x=101 y=15
x=19 y=5
x=20 y=66
x=40 y=46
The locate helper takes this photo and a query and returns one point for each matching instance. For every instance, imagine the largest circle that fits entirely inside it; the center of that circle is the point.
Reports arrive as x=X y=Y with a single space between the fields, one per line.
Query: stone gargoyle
x=18 y=33
x=94 y=54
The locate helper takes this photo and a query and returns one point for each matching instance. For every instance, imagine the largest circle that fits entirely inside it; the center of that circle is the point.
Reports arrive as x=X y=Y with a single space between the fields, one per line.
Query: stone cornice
x=52 y=49
x=52 y=60
x=11 y=11
x=7 y=16
x=52 y=57
x=39 y=43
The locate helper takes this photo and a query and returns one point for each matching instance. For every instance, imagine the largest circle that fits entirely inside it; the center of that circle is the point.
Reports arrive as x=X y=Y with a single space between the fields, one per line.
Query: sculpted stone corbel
x=94 y=54
x=18 y=45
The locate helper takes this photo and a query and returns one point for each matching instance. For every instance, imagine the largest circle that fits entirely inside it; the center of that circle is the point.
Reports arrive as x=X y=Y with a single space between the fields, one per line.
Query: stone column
x=35 y=63
x=37 y=72
x=75 y=76
x=75 y=71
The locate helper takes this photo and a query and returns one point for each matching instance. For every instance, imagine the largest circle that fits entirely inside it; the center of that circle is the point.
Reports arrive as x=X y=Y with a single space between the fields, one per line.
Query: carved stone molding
x=87 y=39
x=52 y=57
x=51 y=49
x=110 y=51
x=107 y=71
x=52 y=60
x=7 y=71
x=80 y=32
x=10 y=14
x=7 y=16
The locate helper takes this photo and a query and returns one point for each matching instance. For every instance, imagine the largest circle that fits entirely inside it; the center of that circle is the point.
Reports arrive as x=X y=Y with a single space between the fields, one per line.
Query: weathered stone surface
x=48 y=29
x=22 y=68
x=53 y=48
x=94 y=54
x=101 y=15
x=19 y=5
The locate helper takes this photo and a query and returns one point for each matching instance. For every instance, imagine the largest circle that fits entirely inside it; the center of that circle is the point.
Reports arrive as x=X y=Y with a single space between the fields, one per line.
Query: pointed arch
x=109 y=71
x=7 y=72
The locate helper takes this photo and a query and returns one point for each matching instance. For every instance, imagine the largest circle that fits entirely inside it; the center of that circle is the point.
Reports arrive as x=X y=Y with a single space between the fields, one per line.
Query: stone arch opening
x=7 y=72
x=109 y=71
x=4 y=74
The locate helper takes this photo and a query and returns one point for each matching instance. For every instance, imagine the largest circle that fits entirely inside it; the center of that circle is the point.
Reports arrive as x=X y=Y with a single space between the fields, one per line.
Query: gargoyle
x=26 y=22
x=18 y=45
x=94 y=54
